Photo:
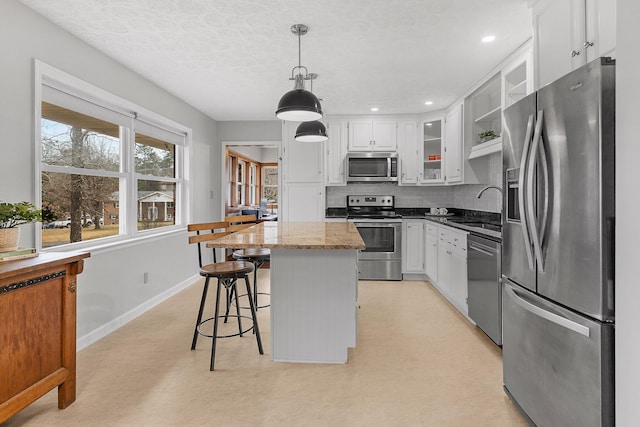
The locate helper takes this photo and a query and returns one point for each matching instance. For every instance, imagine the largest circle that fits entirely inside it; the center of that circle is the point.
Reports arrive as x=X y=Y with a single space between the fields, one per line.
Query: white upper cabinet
x=302 y=197
x=483 y=115
x=517 y=81
x=570 y=33
x=430 y=153
x=372 y=135
x=301 y=161
x=453 y=145
x=409 y=151
x=601 y=28
x=336 y=152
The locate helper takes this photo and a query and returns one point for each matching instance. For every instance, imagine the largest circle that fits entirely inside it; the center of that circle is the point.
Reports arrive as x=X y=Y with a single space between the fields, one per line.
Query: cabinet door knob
x=588 y=44
x=574 y=53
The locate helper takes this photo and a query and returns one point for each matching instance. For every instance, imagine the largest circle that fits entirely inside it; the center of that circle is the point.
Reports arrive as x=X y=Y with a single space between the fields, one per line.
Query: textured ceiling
x=232 y=59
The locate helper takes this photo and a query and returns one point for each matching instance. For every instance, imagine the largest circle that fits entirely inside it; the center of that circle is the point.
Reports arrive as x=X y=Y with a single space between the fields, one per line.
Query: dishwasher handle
x=483 y=249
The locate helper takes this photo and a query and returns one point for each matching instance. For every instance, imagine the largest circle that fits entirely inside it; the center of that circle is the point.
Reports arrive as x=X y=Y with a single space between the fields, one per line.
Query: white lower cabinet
x=431 y=252
x=451 y=274
x=413 y=241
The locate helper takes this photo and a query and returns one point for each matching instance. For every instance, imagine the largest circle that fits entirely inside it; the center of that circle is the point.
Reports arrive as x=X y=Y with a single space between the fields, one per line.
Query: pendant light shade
x=313 y=131
x=299 y=104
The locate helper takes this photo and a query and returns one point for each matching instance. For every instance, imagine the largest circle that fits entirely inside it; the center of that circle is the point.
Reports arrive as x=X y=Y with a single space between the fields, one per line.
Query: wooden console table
x=38 y=329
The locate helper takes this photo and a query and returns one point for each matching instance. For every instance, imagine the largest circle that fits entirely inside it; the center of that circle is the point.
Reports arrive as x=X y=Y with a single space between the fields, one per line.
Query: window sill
x=117 y=242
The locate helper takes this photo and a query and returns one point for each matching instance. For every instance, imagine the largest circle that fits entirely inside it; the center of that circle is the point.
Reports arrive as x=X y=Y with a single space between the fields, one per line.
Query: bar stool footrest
x=223 y=317
x=233 y=303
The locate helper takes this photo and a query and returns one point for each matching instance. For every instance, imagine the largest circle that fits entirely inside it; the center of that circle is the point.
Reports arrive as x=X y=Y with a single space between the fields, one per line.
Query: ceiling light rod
x=299 y=30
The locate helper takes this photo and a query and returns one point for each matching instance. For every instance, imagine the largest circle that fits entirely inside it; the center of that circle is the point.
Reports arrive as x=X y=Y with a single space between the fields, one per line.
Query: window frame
x=128 y=232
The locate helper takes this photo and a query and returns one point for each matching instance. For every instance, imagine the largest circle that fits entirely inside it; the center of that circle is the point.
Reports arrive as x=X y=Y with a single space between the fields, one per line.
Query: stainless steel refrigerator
x=558 y=250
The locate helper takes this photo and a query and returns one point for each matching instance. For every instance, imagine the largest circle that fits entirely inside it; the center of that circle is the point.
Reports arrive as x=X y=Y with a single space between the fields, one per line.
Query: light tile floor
x=418 y=362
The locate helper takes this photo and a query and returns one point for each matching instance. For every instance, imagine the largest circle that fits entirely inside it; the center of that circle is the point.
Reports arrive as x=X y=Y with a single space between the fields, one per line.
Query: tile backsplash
x=458 y=196
x=406 y=197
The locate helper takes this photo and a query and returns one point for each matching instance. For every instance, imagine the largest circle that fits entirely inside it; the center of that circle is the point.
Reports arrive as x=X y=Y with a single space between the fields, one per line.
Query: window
x=98 y=160
x=240 y=183
x=243 y=179
x=253 y=172
x=270 y=184
x=230 y=182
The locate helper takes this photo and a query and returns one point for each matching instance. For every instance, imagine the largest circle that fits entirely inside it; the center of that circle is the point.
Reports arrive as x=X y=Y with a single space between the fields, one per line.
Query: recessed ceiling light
x=488 y=39
x=374 y=109
x=428 y=103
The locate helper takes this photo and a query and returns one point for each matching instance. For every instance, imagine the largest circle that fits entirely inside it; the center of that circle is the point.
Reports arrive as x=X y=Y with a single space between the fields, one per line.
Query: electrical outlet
x=145 y=277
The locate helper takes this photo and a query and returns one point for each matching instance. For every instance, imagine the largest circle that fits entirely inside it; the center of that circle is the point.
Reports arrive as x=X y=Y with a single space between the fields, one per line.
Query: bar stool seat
x=256 y=256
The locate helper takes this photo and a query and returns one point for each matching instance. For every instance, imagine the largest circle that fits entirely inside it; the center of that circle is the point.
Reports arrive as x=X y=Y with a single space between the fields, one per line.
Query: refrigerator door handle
x=533 y=160
x=545 y=174
x=547 y=315
x=521 y=193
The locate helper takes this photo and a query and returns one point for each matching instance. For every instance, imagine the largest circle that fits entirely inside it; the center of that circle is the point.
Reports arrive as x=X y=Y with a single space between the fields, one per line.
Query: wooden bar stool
x=255 y=256
x=227 y=273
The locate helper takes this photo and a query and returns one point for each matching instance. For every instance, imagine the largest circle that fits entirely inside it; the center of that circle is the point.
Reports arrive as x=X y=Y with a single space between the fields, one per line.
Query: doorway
x=250 y=177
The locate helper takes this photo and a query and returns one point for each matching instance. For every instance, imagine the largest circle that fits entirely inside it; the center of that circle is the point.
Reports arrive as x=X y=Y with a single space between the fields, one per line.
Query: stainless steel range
x=381 y=229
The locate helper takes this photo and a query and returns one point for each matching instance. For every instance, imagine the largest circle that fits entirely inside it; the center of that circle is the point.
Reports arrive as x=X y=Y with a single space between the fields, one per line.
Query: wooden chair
x=255 y=256
x=240 y=222
x=227 y=273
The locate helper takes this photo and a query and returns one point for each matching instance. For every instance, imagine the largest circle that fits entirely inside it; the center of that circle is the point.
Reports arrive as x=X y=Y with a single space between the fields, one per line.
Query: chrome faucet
x=488 y=187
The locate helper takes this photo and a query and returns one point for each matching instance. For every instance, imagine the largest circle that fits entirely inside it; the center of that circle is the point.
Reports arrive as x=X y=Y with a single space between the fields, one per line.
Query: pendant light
x=298 y=104
x=313 y=131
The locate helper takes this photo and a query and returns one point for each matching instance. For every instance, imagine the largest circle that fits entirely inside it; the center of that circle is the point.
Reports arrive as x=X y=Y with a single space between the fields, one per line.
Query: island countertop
x=293 y=235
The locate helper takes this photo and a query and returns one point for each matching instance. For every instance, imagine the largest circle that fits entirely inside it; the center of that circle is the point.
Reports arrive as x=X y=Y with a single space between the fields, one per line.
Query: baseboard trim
x=107 y=328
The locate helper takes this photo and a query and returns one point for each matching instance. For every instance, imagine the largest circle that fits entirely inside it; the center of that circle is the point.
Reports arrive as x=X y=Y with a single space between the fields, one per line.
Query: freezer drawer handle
x=551 y=317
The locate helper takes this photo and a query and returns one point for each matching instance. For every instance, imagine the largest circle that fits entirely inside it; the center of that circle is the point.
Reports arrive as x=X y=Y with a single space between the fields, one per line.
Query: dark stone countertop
x=463 y=219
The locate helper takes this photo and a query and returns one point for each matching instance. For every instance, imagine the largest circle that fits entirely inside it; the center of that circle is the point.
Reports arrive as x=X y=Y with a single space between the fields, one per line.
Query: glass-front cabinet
x=432 y=152
x=483 y=111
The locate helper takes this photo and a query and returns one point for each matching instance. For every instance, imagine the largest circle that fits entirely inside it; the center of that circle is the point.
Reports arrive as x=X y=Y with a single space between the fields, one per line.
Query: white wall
x=627 y=206
x=257 y=153
x=267 y=130
x=110 y=290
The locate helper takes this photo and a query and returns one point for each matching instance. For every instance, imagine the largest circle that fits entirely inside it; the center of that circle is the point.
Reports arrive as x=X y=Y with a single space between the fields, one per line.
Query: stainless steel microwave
x=372 y=167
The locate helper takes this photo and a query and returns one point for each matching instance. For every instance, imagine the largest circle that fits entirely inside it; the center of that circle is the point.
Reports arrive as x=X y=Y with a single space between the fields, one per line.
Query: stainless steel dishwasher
x=485 y=294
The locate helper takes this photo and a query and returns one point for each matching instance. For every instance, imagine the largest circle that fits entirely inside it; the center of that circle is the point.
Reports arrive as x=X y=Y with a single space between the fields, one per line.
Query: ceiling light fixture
x=488 y=39
x=298 y=104
x=428 y=103
x=374 y=109
x=313 y=131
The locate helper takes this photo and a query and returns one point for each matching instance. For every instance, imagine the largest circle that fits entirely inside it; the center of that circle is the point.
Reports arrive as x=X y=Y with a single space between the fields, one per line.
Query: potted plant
x=486 y=136
x=11 y=216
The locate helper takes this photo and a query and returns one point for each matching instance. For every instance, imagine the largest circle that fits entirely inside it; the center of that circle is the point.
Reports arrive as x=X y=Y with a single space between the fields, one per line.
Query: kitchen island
x=314 y=286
